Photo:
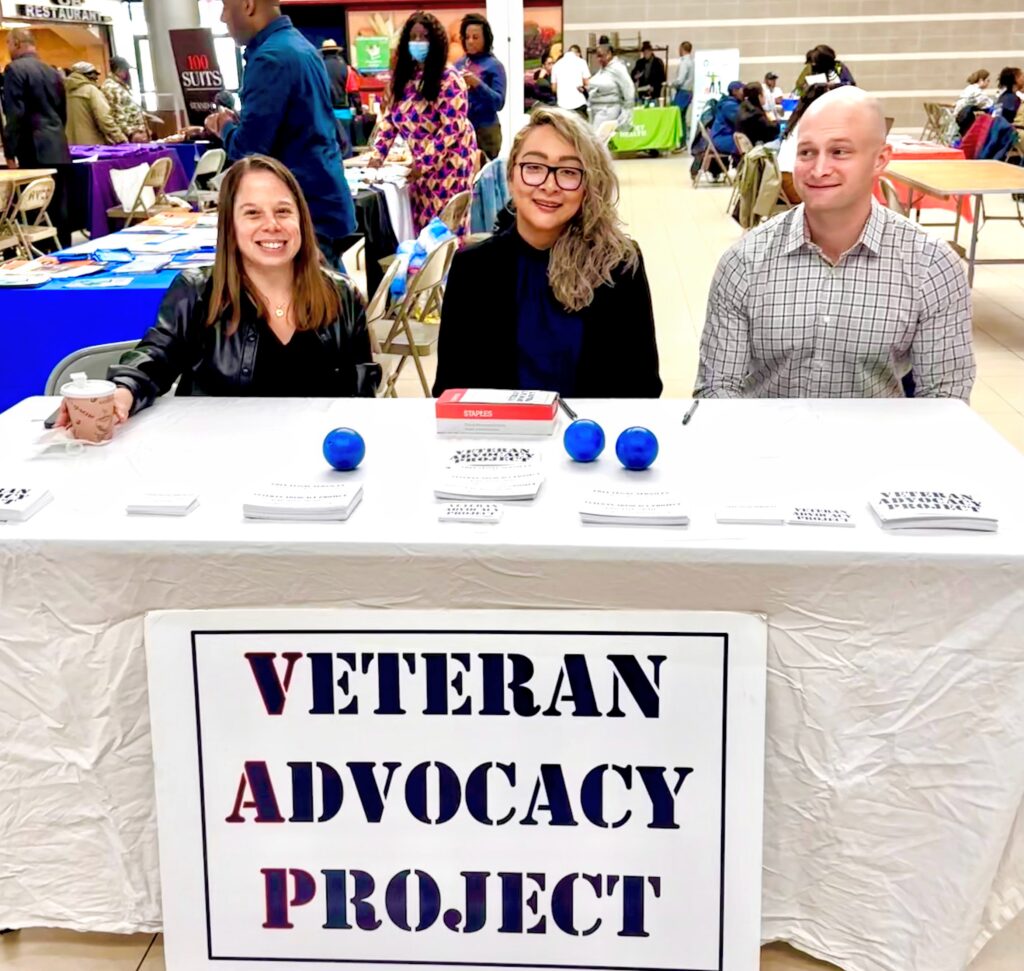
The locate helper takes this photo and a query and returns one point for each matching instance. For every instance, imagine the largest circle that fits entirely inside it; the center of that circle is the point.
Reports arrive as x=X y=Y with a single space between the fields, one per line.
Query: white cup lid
x=82 y=386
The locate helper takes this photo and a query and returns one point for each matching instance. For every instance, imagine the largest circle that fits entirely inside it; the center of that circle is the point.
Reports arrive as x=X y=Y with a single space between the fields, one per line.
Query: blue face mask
x=419 y=49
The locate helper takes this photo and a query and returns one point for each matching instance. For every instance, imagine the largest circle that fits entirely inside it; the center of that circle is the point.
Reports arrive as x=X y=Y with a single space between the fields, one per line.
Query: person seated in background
x=648 y=74
x=90 y=120
x=974 y=97
x=612 y=95
x=838 y=297
x=753 y=120
x=822 y=67
x=727 y=117
x=430 y=110
x=773 y=95
x=267 y=320
x=559 y=301
x=569 y=79
x=539 y=90
x=1008 y=101
x=786 y=157
x=117 y=89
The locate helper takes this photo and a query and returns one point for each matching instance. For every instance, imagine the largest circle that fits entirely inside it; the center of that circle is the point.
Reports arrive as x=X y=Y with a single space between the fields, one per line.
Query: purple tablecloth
x=101 y=195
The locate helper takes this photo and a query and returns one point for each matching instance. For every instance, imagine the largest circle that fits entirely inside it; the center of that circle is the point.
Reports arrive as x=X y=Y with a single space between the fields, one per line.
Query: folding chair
x=406 y=337
x=156 y=180
x=94 y=361
x=743 y=146
x=928 y=132
x=891 y=196
x=456 y=210
x=606 y=131
x=8 y=237
x=30 y=229
x=199 y=193
x=378 y=319
x=710 y=154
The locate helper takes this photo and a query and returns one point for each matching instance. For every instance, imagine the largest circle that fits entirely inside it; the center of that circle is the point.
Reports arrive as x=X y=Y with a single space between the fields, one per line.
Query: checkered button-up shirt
x=783 y=322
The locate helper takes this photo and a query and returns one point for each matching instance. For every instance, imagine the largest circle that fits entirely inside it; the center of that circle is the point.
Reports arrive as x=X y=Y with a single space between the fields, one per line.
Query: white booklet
x=18 y=503
x=634 y=507
x=304 y=501
x=493 y=483
x=917 y=509
x=162 y=504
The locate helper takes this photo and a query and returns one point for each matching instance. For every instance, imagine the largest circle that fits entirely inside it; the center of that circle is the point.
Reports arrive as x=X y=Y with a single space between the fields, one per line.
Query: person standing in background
x=569 y=79
x=430 y=110
x=648 y=74
x=35 y=112
x=90 y=120
x=773 y=95
x=287 y=114
x=117 y=89
x=612 y=95
x=683 y=84
x=485 y=78
x=337 y=70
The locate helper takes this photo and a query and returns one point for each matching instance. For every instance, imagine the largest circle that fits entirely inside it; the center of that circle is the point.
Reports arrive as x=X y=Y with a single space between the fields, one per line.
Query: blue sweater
x=488 y=97
x=287 y=114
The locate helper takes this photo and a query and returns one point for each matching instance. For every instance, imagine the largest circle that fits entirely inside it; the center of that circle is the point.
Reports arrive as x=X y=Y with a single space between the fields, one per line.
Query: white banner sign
x=713 y=73
x=516 y=789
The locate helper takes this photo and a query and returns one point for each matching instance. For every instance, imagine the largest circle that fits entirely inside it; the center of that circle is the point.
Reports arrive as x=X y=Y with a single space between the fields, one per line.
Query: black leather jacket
x=208 y=360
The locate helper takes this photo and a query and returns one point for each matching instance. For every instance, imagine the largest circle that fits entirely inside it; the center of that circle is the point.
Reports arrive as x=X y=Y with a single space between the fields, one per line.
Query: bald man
x=287 y=114
x=35 y=109
x=838 y=297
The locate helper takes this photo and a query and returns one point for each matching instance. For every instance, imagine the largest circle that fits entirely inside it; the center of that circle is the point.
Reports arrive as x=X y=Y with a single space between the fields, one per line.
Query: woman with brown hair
x=268 y=320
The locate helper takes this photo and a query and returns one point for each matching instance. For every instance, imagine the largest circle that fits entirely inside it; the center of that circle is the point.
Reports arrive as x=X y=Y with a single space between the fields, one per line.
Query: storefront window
x=143 y=79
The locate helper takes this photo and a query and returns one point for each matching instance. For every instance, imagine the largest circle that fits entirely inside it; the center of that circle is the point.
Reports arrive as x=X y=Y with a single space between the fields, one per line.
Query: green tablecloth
x=653 y=128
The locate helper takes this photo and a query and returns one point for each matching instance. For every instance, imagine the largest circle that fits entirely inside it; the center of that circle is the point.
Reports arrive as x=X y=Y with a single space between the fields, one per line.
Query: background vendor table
x=915 y=150
x=894 y=831
x=44 y=324
x=652 y=129
x=23 y=176
x=93 y=194
x=958 y=180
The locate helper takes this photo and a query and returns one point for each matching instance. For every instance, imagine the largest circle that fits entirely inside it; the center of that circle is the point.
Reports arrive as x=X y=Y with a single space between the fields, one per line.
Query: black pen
x=572 y=414
x=689 y=413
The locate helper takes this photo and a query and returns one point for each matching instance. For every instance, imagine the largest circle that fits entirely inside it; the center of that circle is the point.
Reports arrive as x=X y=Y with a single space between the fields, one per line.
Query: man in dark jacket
x=648 y=73
x=35 y=109
x=337 y=71
x=287 y=114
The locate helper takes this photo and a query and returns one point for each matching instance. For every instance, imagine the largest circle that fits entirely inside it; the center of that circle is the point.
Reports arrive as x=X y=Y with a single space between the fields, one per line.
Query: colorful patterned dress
x=441 y=142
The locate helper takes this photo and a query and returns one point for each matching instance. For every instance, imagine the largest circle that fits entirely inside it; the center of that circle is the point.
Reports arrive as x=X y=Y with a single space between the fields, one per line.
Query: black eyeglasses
x=536 y=174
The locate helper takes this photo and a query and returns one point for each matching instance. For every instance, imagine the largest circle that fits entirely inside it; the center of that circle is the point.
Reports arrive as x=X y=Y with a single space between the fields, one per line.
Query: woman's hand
x=123 y=401
x=413 y=174
x=375 y=163
x=472 y=81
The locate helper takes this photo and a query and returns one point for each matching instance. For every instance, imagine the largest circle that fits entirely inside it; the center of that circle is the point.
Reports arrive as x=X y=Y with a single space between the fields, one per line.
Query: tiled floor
x=682 y=233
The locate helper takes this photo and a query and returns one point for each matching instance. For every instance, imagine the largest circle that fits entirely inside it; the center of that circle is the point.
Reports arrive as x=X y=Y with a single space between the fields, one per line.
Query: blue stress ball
x=584 y=440
x=637 y=448
x=344 y=449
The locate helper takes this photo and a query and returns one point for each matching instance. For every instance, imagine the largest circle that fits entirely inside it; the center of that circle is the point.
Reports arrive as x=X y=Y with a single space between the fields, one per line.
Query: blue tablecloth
x=43 y=325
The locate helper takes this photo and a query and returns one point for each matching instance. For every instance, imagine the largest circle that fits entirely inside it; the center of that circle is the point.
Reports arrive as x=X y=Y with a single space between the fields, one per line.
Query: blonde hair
x=592 y=243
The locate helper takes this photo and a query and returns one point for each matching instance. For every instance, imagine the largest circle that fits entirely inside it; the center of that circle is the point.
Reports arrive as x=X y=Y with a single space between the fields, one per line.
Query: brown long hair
x=314 y=296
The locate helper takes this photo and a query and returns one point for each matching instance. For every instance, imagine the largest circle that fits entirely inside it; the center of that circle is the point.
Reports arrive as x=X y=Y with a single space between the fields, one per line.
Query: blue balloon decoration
x=584 y=440
x=637 y=448
x=344 y=449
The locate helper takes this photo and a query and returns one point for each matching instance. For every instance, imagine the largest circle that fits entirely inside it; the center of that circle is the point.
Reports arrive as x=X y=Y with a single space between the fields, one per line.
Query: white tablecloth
x=894 y=836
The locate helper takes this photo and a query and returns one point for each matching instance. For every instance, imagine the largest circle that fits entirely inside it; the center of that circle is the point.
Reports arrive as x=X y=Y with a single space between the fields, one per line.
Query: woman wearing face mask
x=430 y=110
x=559 y=301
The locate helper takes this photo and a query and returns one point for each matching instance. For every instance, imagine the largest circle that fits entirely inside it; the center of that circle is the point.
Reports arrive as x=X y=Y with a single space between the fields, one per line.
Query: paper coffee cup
x=90 y=404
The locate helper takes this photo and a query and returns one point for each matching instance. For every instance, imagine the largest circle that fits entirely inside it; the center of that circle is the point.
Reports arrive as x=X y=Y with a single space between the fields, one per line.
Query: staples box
x=486 y=411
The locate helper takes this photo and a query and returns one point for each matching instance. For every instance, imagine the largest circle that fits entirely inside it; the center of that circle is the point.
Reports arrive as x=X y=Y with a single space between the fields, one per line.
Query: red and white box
x=488 y=411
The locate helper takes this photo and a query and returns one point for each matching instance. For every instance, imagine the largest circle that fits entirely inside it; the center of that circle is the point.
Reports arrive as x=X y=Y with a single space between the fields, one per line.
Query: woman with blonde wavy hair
x=559 y=301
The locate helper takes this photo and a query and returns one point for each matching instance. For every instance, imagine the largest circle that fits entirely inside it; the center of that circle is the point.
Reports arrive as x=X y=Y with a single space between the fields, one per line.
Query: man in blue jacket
x=485 y=78
x=287 y=114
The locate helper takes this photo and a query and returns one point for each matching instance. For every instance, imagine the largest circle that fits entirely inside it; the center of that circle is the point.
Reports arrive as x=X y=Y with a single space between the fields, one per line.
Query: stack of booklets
x=162 y=504
x=18 y=503
x=490 y=483
x=914 y=509
x=304 y=502
x=634 y=507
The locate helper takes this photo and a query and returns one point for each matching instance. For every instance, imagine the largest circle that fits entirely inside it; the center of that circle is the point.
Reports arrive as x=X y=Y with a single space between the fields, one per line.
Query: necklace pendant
x=279 y=312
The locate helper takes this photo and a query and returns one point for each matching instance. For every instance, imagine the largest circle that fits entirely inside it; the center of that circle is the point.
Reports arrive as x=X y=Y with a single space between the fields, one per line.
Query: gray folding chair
x=94 y=361
x=199 y=193
x=711 y=154
x=31 y=223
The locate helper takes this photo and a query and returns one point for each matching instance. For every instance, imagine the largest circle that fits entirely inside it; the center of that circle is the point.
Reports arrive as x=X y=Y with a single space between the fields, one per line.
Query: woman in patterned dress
x=430 y=110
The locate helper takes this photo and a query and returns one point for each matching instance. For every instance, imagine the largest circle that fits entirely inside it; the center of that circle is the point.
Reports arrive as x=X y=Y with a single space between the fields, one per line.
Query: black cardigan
x=478 y=343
